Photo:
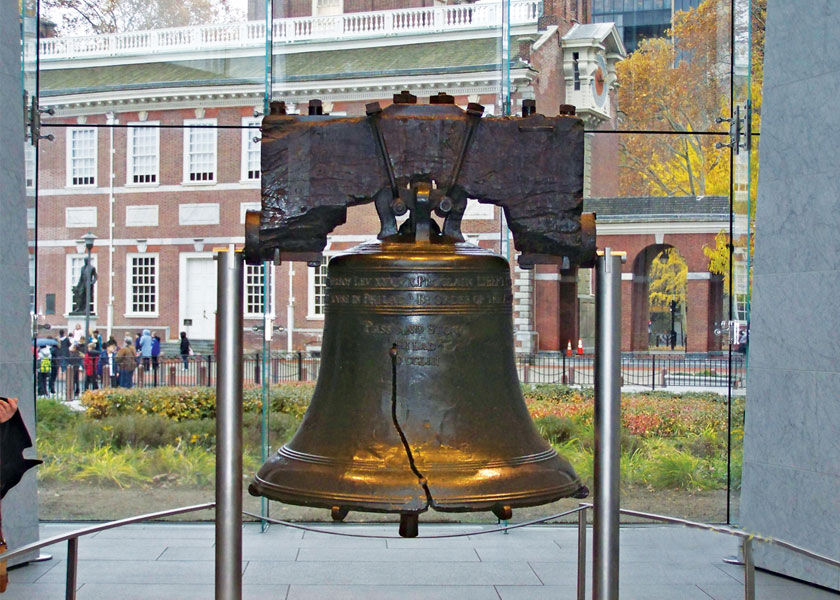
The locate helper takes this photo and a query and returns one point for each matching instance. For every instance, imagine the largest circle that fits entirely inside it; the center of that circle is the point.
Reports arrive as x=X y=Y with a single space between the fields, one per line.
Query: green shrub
x=706 y=444
x=674 y=469
x=52 y=415
x=140 y=431
x=184 y=403
x=555 y=429
x=281 y=427
x=109 y=467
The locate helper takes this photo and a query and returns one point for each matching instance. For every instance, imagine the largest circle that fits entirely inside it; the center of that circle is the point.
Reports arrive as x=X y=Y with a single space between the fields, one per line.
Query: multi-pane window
x=143 y=152
x=30 y=165
x=255 y=291
x=200 y=151
x=81 y=156
x=32 y=283
x=250 y=149
x=142 y=279
x=74 y=274
x=317 y=290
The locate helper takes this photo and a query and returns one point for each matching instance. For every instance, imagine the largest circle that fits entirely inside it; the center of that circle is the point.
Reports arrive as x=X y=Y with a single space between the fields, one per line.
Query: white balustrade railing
x=438 y=19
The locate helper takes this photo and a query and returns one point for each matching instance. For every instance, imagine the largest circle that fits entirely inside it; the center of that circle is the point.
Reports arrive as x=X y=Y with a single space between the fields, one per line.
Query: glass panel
x=154 y=153
x=675 y=76
x=372 y=55
x=669 y=208
x=748 y=53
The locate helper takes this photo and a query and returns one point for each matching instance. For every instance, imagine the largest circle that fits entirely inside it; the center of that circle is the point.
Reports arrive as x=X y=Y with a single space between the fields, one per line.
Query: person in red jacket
x=90 y=360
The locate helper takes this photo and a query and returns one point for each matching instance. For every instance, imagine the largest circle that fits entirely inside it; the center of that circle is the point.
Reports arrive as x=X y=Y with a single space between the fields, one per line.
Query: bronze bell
x=418 y=402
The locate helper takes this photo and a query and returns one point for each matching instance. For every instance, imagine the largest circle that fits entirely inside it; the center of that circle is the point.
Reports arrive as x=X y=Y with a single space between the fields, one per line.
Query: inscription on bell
x=402 y=282
x=417 y=299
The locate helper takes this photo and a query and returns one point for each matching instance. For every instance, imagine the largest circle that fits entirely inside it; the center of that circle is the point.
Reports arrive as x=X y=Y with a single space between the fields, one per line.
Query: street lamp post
x=88 y=239
x=673 y=335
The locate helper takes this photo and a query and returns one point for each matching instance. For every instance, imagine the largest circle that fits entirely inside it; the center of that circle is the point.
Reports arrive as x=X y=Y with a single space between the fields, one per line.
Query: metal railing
x=251 y=34
x=654 y=372
x=747 y=539
x=650 y=371
x=72 y=539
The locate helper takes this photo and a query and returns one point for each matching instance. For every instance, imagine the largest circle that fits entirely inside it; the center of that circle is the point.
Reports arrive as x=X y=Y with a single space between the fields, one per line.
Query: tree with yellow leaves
x=678 y=83
x=668 y=277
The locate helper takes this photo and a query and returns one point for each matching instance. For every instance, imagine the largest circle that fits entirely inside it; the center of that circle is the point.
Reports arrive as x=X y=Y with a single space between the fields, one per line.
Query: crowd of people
x=92 y=359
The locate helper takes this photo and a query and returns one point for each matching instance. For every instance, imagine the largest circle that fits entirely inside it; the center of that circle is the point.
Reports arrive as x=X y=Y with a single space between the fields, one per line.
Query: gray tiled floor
x=164 y=561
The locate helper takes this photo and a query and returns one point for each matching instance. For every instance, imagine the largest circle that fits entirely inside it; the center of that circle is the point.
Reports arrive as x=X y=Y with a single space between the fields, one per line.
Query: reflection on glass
x=680 y=81
x=154 y=153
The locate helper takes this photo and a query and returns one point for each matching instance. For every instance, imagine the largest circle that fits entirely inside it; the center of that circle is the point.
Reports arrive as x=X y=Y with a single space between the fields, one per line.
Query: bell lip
x=459 y=504
x=376 y=465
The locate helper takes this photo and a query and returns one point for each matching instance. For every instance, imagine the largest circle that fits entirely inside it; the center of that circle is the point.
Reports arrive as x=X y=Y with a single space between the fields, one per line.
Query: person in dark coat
x=186 y=349
x=155 y=356
x=14 y=439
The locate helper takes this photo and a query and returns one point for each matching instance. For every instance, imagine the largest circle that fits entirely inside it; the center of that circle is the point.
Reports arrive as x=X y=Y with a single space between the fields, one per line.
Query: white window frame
x=32 y=284
x=188 y=127
x=70 y=157
x=129 y=153
x=31 y=162
x=271 y=295
x=129 y=275
x=311 y=304
x=248 y=134
x=70 y=281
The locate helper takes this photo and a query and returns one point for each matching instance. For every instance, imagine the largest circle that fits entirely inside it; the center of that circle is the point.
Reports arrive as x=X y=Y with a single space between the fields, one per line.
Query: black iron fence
x=68 y=380
x=649 y=371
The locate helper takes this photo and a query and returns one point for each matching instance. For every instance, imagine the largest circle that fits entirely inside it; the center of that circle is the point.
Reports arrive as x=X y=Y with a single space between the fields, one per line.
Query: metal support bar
x=749 y=569
x=581 y=566
x=229 y=427
x=605 y=567
x=72 y=567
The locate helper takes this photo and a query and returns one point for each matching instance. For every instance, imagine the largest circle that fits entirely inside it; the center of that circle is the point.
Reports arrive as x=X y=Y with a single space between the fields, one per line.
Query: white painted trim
x=245 y=207
x=129 y=153
x=187 y=128
x=248 y=133
x=68 y=162
x=183 y=257
x=127 y=272
x=310 y=290
x=700 y=275
x=647 y=228
x=142 y=208
x=208 y=206
x=231 y=186
x=272 y=296
x=68 y=210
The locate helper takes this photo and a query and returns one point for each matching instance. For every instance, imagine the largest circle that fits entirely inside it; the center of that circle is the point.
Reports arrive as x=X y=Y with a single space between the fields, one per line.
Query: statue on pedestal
x=86 y=278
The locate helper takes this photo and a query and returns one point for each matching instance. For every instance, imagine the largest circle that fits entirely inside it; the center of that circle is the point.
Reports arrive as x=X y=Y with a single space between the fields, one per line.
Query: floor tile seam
x=53 y=566
x=728 y=574
x=530 y=566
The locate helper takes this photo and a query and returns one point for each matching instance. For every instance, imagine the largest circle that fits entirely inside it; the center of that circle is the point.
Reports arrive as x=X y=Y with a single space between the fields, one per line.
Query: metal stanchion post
x=229 y=427
x=607 y=418
x=749 y=570
x=581 y=569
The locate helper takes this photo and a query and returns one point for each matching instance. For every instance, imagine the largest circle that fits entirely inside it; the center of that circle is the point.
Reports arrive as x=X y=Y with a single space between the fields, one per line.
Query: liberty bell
x=417 y=403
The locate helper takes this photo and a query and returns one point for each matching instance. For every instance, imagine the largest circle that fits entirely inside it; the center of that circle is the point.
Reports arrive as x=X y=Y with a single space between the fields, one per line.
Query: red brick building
x=154 y=151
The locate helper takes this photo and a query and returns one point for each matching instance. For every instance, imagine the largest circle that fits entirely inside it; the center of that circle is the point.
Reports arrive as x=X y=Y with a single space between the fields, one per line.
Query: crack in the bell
x=430 y=501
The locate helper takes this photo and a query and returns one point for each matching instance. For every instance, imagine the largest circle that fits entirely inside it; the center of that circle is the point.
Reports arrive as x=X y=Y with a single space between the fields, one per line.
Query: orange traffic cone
x=580 y=346
x=569 y=348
